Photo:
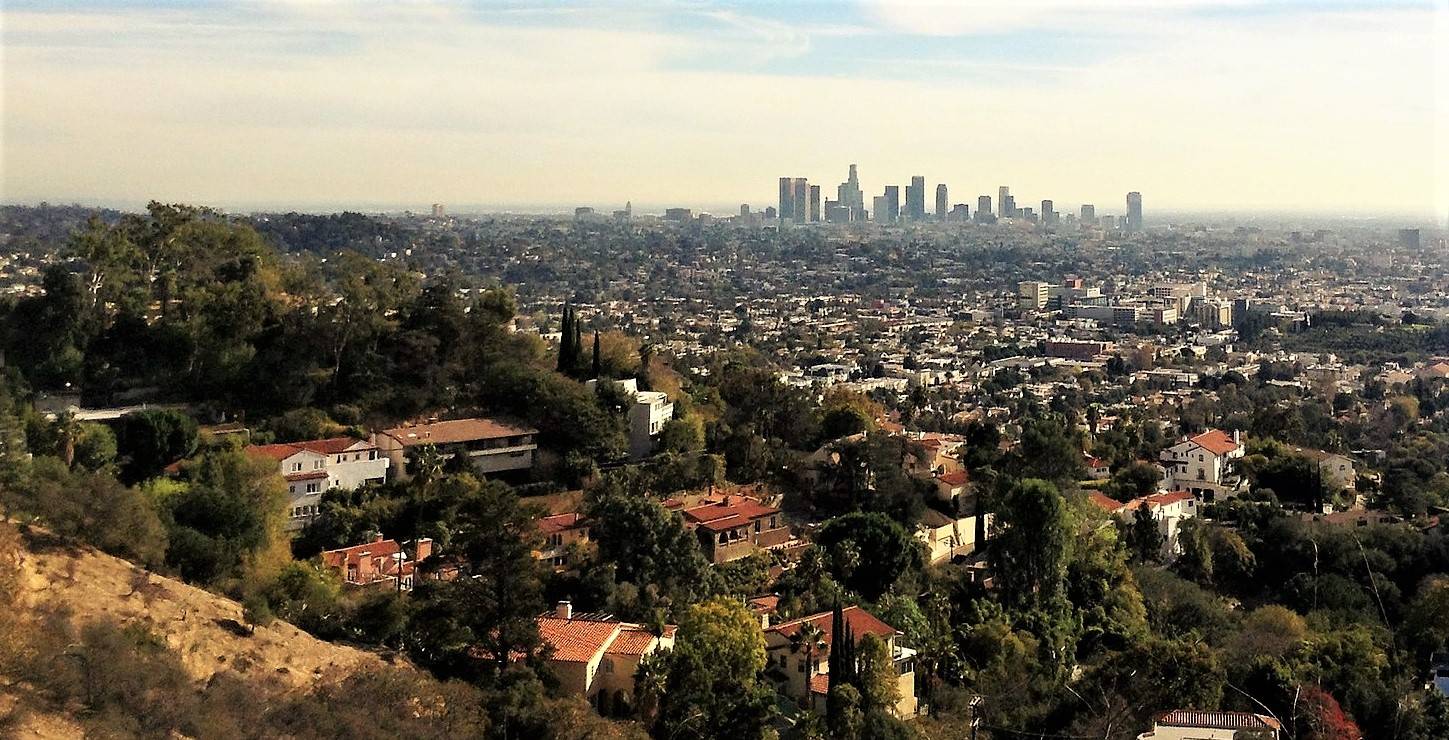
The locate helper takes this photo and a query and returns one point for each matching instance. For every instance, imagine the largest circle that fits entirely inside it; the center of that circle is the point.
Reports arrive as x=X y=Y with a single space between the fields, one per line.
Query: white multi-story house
x=1204 y=465
x=648 y=414
x=802 y=672
x=1168 y=510
x=317 y=465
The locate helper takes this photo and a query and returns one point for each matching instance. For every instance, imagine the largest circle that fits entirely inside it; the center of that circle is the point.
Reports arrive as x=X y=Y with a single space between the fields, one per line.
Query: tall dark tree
x=597 y=367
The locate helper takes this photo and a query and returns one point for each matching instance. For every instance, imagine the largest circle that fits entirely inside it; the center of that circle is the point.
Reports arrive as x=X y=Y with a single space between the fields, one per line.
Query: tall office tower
x=941 y=202
x=787 y=198
x=1134 y=211
x=893 y=205
x=850 y=197
x=1089 y=215
x=983 y=208
x=916 y=206
x=1048 y=213
x=745 y=209
x=1002 y=194
x=1009 y=206
x=878 y=207
x=800 y=194
x=814 y=204
x=770 y=213
x=959 y=212
x=439 y=211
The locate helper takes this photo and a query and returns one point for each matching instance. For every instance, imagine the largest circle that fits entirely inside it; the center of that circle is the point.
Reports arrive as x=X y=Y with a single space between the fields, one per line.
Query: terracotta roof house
x=492 y=446
x=378 y=562
x=559 y=532
x=732 y=527
x=595 y=656
x=789 y=665
x=1193 y=724
x=1204 y=464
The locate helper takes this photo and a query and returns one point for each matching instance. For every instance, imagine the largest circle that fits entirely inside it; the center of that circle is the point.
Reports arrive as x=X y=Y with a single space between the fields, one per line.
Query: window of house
x=291 y=489
x=372 y=455
x=758 y=526
x=608 y=665
x=296 y=466
x=774 y=522
x=724 y=537
x=313 y=487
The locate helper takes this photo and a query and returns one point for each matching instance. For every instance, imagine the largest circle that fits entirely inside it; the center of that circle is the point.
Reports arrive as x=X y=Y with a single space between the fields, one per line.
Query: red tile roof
x=738 y=512
x=1216 y=720
x=861 y=622
x=1103 y=501
x=632 y=641
x=284 y=450
x=559 y=522
x=955 y=478
x=1216 y=441
x=820 y=684
x=1158 y=499
x=457 y=430
x=576 y=640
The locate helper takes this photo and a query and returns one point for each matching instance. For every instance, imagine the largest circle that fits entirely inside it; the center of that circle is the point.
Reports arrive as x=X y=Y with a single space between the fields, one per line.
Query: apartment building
x=491 y=446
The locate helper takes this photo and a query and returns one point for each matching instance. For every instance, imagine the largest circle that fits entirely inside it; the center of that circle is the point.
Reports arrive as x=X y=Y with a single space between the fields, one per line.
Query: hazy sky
x=1200 y=104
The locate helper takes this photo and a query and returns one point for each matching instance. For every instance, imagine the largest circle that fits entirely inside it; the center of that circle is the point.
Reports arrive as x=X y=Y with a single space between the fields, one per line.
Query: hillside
x=200 y=629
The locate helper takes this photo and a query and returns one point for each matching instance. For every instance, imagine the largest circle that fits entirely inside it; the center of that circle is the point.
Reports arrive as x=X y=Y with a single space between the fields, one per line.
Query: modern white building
x=648 y=414
x=317 y=465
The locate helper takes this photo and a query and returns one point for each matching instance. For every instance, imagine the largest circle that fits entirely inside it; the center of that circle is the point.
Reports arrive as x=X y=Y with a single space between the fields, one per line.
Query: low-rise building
x=948 y=537
x=317 y=465
x=596 y=656
x=1192 y=724
x=1169 y=510
x=803 y=674
x=380 y=562
x=560 y=532
x=732 y=527
x=492 y=446
x=1204 y=464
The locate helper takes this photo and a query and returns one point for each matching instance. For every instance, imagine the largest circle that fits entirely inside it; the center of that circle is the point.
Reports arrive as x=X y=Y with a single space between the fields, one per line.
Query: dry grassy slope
x=199 y=625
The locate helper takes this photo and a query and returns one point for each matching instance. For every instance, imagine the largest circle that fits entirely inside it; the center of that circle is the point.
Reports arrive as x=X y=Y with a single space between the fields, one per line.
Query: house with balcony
x=1205 y=465
x=491 y=446
x=804 y=676
x=1169 y=510
x=560 y=533
x=732 y=526
x=596 y=656
x=318 y=465
x=381 y=562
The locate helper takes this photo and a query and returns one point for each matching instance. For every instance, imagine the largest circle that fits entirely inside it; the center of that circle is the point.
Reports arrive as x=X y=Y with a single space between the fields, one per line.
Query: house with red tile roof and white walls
x=1205 y=464
x=803 y=674
x=1193 y=724
x=313 y=466
x=382 y=562
x=596 y=656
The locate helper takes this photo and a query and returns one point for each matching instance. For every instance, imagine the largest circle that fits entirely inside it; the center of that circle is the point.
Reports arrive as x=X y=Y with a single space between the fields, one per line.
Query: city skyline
x=325 y=106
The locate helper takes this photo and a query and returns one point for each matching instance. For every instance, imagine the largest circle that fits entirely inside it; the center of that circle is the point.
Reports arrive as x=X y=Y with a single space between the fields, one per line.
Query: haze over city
x=1242 y=105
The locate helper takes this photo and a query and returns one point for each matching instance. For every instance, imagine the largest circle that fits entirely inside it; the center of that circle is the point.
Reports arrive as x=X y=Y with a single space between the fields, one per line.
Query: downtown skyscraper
x=942 y=202
x=916 y=199
x=1133 y=220
x=849 y=196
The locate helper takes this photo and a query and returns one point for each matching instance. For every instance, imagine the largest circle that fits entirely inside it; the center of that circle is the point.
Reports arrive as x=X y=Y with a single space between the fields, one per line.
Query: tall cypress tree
x=597 y=363
x=565 y=339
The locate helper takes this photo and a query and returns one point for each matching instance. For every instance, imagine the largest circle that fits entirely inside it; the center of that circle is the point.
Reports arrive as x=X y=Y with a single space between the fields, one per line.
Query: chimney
x=564 y=610
x=377 y=537
x=424 y=548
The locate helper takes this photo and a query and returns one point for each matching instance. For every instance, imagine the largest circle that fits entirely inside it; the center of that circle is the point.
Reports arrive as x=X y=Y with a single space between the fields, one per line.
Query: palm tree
x=811 y=639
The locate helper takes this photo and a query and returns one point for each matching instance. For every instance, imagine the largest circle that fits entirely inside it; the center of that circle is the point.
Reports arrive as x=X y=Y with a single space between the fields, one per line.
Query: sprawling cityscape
x=852 y=464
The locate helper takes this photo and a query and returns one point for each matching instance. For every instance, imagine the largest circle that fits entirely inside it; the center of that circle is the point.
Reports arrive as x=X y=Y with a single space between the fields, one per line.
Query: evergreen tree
x=565 y=338
x=597 y=372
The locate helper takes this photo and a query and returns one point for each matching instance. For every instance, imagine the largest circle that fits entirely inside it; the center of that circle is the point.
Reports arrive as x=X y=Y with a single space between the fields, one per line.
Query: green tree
x=867 y=552
x=876 y=675
x=714 y=679
x=1031 y=544
x=148 y=441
